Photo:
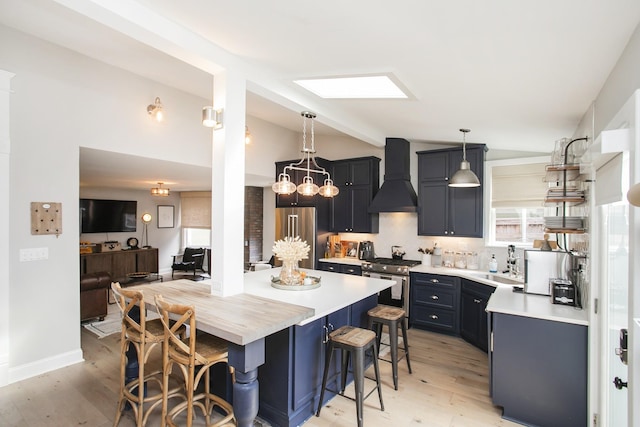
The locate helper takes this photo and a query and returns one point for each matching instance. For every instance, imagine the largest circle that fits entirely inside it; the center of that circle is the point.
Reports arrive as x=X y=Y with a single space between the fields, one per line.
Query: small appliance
x=563 y=292
x=365 y=251
x=542 y=266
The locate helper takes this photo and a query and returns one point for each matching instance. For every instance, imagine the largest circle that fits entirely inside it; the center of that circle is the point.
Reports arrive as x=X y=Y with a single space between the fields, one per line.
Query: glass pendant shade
x=464 y=177
x=328 y=189
x=308 y=188
x=284 y=185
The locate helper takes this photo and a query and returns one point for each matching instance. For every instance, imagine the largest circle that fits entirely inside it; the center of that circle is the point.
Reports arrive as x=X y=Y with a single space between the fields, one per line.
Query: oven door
x=397 y=295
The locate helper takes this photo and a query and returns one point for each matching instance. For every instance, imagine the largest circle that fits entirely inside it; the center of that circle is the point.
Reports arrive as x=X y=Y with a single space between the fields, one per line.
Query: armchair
x=190 y=260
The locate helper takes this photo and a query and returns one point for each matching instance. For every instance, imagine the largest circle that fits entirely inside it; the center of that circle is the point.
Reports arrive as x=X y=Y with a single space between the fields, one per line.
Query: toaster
x=564 y=292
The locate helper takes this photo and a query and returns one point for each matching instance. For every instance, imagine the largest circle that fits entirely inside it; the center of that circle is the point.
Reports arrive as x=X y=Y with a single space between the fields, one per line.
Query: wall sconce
x=159 y=191
x=155 y=110
x=247 y=135
x=212 y=118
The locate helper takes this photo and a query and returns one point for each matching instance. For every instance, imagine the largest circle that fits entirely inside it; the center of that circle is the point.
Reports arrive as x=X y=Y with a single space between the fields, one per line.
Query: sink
x=499 y=279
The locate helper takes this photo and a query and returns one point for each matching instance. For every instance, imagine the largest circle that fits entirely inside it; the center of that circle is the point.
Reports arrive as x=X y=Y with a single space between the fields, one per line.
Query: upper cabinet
x=358 y=180
x=447 y=211
x=295 y=199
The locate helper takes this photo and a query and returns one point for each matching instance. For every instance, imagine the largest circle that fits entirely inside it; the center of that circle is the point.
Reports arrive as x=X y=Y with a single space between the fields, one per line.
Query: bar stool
x=353 y=342
x=392 y=317
x=143 y=335
x=190 y=355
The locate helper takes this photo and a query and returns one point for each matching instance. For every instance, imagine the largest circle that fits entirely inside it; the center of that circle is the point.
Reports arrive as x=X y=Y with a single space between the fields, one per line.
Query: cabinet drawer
x=434 y=279
x=434 y=318
x=435 y=296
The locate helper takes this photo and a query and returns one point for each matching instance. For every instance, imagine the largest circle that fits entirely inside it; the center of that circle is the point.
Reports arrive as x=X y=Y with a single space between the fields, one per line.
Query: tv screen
x=108 y=216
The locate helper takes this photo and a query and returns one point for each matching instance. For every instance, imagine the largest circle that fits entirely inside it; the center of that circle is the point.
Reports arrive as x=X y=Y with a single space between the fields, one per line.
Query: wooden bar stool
x=392 y=317
x=143 y=335
x=194 y=356
x=353 y=342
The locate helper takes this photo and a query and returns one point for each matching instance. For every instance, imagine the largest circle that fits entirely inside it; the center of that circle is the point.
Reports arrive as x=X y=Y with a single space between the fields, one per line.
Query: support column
x=227 y=195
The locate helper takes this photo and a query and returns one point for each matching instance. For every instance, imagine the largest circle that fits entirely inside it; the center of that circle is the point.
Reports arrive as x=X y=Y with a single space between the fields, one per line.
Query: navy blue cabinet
x=434 y=302
x=446 y=211
x=473 y=316
x=295 y=199
x=358 y=180
x=538 y=370
x=291 y=377
x=336 y=267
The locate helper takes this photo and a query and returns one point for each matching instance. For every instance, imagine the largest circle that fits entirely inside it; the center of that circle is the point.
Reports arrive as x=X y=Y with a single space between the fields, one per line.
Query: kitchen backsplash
x=400 y=229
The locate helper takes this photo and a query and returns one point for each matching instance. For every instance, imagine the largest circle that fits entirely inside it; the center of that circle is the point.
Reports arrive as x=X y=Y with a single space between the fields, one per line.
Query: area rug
x=105 y=328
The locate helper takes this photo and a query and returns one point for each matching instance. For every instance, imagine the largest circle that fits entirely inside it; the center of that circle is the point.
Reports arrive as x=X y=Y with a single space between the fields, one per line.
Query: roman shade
x=518 y=186
x=195 y=209
x=609 y=181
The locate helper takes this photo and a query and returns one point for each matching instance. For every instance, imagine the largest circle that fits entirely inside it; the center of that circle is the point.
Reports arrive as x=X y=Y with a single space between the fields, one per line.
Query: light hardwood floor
x=448 y=387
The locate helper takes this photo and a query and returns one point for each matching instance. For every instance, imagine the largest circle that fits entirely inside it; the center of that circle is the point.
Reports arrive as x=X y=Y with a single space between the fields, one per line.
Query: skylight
x=356 y=87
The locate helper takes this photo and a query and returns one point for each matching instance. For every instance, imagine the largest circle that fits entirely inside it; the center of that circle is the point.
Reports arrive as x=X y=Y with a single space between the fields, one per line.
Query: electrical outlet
x=34 y=254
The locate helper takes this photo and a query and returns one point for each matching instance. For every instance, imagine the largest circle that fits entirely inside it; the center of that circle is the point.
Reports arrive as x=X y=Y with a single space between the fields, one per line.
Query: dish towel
x=396 y=290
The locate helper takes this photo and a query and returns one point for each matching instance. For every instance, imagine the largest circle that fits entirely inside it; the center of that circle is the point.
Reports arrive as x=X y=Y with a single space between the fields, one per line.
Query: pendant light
x=306 y=164
x=465 y=176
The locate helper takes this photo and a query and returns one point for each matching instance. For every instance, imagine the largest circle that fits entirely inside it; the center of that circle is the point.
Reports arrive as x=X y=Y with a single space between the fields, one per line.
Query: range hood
x=397 y=193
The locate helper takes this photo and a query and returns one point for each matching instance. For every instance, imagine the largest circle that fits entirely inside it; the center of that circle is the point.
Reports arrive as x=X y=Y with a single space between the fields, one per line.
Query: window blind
x=518 y=186
x=195 y=209
x=609 y=181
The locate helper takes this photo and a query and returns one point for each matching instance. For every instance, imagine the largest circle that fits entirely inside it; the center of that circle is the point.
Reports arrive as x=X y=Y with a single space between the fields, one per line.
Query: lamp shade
x=284 y=185
x=464 y=177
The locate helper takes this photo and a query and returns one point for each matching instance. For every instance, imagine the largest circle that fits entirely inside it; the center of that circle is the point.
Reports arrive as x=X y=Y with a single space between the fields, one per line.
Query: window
x=515 y=198
x=195 y=218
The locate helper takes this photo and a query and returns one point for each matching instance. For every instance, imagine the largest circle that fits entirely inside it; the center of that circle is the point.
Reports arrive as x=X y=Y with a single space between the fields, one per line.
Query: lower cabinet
x=291 y=377
x=473 y=316
x=434 y=302
x=538 y=370
x=336 y=267
x=120 y=263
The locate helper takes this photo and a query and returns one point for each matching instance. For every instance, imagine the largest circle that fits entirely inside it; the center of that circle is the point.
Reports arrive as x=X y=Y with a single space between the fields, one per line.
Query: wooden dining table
x=244 y=320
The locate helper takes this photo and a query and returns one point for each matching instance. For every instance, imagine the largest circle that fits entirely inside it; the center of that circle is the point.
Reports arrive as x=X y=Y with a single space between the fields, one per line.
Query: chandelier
x=306 y=164
x=160 y=191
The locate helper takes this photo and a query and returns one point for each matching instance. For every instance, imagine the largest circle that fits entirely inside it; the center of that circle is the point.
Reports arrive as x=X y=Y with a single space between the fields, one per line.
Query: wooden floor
x=448 y=387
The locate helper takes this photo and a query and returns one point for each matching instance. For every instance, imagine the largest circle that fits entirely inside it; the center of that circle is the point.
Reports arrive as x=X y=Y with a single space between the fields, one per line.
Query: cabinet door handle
x=435 y=297
x=325 y=335
x=434 y=317
x=477 y=301
x=331 y=268
x=446 y=232
x=452 y=233
x=434 y=281
x=350 y=270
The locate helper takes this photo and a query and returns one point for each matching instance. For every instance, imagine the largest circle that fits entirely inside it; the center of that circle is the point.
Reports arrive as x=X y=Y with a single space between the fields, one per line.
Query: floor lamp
x=146 y=219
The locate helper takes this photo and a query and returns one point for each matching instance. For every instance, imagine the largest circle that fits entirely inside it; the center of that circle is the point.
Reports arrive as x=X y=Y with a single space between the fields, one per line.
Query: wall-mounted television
x=108 y=216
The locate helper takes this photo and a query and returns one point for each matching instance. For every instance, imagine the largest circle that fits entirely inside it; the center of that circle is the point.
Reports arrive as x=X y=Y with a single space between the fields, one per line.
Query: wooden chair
x=143 y=335
x=194 y=356
x=191 y=260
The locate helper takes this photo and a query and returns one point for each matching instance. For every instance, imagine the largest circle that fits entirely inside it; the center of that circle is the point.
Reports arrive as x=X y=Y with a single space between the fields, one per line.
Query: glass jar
x=448 y=258
x=460 y=260
x=289 y=274
x=472 y=261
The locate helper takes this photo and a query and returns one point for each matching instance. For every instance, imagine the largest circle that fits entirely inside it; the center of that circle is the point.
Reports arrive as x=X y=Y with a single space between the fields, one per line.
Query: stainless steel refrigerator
x=308 y=223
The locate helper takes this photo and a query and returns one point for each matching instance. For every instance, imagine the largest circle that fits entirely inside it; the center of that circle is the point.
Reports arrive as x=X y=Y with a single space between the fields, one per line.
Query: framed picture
x=349 y=249
x=165 y=216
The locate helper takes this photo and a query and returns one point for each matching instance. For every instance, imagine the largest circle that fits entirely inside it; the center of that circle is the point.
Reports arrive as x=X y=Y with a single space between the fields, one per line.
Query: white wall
x=61 y=101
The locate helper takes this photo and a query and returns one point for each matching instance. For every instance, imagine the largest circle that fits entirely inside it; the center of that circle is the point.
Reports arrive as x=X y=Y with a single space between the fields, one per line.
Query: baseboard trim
x=42 y=366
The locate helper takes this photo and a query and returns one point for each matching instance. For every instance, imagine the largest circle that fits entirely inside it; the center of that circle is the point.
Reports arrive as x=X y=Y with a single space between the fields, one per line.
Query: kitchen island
x=291 y=376
x=275 y=336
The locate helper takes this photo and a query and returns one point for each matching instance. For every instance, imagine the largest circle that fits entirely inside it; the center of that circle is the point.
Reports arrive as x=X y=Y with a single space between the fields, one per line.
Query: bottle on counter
x=493 y=264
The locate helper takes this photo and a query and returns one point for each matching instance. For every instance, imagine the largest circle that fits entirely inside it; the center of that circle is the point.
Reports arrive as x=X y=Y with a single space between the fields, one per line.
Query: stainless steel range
x=396 y=270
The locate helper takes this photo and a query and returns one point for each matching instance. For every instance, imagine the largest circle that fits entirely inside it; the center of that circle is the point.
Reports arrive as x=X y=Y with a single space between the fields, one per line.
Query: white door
x=614 y=268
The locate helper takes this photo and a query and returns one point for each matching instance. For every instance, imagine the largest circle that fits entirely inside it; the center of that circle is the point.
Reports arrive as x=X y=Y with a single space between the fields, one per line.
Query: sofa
x=94 y=295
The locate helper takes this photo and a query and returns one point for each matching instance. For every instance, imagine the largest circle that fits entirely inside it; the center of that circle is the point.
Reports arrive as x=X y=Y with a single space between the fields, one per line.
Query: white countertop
x=505 y=301
x=475 y=275
x=336 y=290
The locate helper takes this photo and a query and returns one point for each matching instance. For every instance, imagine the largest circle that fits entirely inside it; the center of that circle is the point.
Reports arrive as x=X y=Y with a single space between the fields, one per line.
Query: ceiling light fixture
x=247 y=135
x=306 y=164
x=465 y=176
x=159 y=191
x=212 y=118
x=155 y=110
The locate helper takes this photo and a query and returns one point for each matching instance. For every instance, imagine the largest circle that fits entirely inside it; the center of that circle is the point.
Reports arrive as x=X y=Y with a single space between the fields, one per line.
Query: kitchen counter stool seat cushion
x=191 y=260
x=392 y=317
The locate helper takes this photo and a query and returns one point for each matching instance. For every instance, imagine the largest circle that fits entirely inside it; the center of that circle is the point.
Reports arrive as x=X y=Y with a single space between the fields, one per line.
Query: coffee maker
x=365 y=250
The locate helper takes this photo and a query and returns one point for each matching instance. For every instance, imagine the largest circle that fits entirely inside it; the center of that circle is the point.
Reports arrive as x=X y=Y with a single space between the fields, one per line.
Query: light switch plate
x=34 y=254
